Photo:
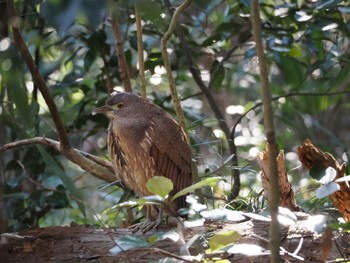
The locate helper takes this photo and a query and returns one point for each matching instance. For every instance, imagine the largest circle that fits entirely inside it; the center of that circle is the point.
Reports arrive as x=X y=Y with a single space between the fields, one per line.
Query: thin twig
x=123 y=68
x=214 y=107
x=140 y=52
x=176 y=102
x=173 y=25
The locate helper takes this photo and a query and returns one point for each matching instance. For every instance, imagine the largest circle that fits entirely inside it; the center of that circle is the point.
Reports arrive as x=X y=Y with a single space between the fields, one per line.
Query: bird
x=144 y=141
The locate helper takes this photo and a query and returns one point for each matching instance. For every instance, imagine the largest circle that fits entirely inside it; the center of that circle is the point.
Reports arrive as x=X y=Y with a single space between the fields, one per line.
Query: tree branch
x=172 y=87
x=123 y=68
x=140 y=52
x=275 y=232
x=95 y=165
x=37 y=78
x=219 y=116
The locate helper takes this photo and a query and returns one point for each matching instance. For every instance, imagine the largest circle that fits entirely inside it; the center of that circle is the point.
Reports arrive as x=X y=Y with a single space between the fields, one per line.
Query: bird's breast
x=131 y=156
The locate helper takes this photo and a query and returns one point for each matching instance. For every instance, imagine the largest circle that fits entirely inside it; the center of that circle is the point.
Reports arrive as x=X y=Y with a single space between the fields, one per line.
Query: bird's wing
x=172 y=154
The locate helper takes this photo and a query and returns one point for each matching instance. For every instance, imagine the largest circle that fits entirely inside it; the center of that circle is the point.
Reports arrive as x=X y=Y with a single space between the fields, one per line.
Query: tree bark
x=86 y=244
x=285 y=188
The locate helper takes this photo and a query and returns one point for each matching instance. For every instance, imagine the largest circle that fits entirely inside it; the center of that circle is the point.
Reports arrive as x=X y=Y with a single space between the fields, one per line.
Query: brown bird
x=145 y=141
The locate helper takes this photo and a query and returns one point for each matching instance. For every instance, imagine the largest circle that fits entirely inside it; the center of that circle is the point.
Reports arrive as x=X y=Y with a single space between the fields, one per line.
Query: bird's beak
x=103 y=109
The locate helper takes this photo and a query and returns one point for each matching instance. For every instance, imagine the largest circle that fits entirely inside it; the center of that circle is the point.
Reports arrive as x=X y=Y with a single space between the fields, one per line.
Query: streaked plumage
x=145 y=141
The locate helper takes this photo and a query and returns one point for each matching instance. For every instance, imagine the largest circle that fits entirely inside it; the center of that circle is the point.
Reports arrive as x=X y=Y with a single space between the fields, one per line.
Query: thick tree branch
x=96 y=166
x=123 y=68
x=140 y=52
x=172 y=86
x=275 y=232
x=37 y=78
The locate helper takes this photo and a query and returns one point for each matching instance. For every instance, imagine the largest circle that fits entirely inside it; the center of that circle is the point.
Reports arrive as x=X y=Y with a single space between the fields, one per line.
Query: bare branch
x=214 y=107
x=140 y=52
x=92 y=164
x=123 y=68
x=37 y=78
x=172 y=87
x=275 y=232
x=96 y=166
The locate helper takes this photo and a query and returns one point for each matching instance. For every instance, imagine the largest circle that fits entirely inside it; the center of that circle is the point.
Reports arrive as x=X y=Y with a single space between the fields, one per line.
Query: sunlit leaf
x=194 y=223
x=160 y=185
x=246 y=249
x=329 y=176
x=158 y=236
x=211 y=181
x=295 y=51
x=126 y=243
x=223 y=239
x=327 y=189
x=223 y=214
x=257 y=217
x=155 y=199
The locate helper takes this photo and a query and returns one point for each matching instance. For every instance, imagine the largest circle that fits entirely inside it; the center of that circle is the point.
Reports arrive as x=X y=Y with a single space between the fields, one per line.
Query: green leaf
x=67 y=182
x=217 y=74
x=295 y=51
x=223 y=239
x=126 y=243
x=158 y=236
x=146 y=200
x=152 y=14
x=150 y=199
x=211 y=181
x=59 y=198
x=160 y=185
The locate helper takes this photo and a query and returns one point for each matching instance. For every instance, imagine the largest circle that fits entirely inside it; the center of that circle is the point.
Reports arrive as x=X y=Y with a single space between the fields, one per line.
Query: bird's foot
x=146 y=225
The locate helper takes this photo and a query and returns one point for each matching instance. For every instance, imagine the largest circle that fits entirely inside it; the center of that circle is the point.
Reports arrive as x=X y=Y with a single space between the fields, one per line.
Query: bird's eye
x=120 y=105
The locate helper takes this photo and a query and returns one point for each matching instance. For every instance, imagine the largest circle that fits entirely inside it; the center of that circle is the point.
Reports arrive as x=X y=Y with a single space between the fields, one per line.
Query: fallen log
x=86 y=244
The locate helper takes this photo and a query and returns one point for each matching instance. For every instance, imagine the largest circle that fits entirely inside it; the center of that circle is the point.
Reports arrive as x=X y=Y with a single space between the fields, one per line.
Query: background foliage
x=307 y=47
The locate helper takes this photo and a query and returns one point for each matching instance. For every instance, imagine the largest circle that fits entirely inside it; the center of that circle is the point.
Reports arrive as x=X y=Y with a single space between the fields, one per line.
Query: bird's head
x=121 y=104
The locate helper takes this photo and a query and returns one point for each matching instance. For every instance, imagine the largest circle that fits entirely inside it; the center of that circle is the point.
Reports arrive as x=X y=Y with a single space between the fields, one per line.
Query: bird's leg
x=149 y=224
x=159 y=220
